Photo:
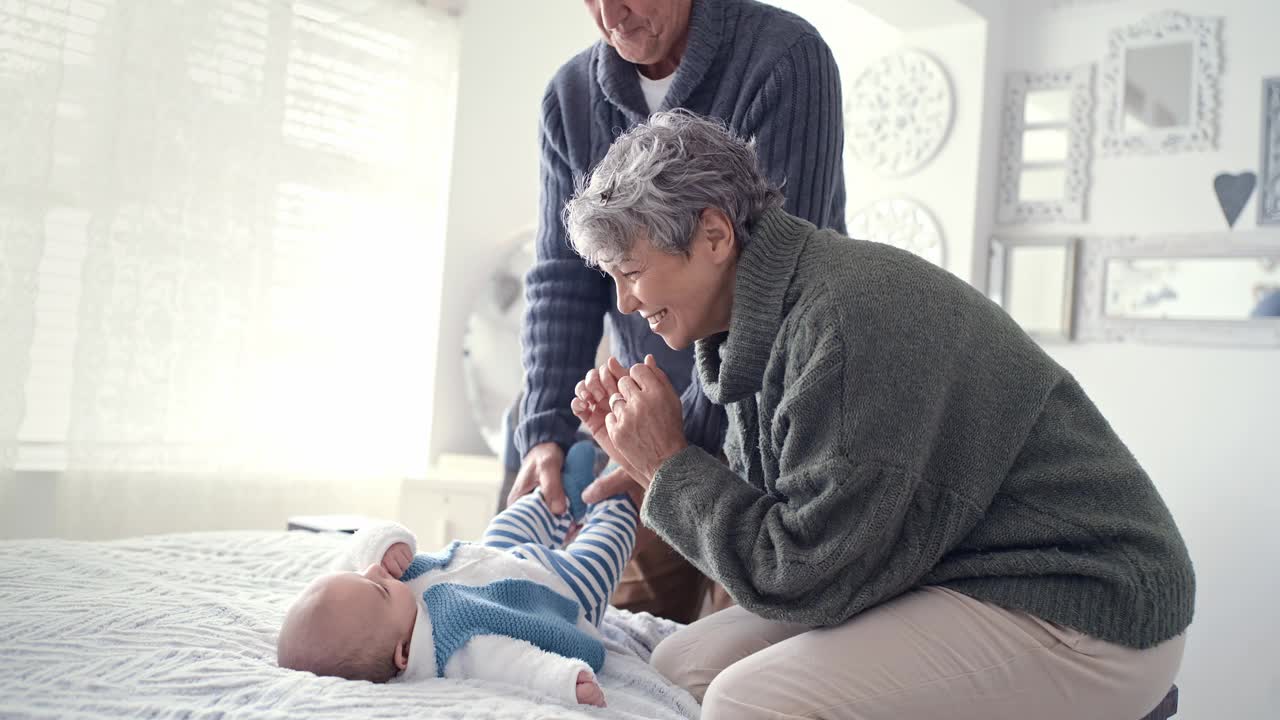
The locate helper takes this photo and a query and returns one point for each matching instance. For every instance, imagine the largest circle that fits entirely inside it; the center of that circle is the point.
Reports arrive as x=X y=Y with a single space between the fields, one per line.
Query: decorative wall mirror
x=1160 y=85
x=1033 y=279
x=1269 y=178
x=1191 y=289
x=1044 y=148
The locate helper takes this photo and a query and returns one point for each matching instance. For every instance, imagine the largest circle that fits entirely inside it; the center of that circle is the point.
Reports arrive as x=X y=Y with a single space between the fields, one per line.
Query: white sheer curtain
x=219 y=223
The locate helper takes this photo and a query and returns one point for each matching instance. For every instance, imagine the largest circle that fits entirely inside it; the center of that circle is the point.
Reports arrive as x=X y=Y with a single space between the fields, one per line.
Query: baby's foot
x=579 y=472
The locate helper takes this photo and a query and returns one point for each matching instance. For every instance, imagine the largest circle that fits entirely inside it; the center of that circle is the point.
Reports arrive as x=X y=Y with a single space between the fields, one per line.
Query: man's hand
x=397 y=559
x=588 y=690
x=543 y=467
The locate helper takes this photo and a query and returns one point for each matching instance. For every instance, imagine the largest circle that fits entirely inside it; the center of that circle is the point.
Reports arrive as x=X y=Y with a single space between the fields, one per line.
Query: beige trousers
x=931 y=653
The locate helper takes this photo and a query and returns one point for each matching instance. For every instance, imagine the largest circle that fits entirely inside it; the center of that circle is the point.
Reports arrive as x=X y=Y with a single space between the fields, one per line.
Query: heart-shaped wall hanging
x=1233 y=192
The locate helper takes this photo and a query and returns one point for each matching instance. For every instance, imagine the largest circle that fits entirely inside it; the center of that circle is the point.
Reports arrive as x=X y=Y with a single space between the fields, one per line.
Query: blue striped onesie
x=591 y=564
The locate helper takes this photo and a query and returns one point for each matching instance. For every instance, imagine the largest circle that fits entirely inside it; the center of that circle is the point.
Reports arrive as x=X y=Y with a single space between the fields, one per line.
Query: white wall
x=857 y=39
x=1201 y=420
x=1166 y=193
x=510 y=50
x=949 y=185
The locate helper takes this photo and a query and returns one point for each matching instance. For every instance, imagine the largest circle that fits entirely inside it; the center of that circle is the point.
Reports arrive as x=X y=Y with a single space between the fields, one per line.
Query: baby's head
x=351 y=625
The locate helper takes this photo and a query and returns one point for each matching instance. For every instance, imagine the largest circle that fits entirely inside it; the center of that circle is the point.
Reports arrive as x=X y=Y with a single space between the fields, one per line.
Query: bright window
x=218 y=221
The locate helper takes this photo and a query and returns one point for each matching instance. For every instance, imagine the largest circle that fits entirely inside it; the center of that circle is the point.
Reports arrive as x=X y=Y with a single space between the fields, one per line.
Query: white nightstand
x=454 y=501
x=330 y=523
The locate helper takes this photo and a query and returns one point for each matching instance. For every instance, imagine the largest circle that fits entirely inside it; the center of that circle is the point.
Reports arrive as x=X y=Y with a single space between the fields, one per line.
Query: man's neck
x=668 y=64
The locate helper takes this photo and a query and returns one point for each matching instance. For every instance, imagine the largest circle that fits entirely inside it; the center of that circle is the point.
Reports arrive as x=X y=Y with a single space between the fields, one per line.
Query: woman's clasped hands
x=635 y=416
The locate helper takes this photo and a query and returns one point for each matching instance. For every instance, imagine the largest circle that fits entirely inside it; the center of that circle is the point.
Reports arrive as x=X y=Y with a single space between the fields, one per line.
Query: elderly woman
x=922 y=515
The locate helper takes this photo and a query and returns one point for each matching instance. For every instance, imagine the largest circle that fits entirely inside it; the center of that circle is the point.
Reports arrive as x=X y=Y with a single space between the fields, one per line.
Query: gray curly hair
x=658 y=178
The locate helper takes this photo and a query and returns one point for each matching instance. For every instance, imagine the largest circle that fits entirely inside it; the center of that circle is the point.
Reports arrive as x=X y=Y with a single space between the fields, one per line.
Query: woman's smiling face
x=684 y=297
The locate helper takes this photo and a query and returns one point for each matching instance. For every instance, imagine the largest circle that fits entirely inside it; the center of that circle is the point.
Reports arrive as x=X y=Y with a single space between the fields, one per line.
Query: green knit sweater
x=890 y=427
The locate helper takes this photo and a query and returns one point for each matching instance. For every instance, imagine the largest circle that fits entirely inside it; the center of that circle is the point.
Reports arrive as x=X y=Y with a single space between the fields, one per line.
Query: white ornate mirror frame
x=1078 y=124
x=1094 y=324
x=1269 y=177
x=1165 y=28
x=1060 y=283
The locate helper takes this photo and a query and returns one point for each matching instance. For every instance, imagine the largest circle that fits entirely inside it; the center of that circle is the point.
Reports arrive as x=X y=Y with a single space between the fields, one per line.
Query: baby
x=518 y=607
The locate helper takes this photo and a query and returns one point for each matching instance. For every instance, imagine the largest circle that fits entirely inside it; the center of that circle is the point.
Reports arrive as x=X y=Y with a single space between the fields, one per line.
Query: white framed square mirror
x=1160 y=85
x=1269 y=177
x=1034 y=280
x=1206 y=289
x=1045 y=146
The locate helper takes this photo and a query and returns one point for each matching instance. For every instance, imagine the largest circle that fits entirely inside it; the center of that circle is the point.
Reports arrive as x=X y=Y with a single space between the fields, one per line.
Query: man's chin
x=636 y=55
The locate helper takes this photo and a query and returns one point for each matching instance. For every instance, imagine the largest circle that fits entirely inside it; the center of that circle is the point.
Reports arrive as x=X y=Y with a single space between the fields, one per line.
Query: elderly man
x=768 y=75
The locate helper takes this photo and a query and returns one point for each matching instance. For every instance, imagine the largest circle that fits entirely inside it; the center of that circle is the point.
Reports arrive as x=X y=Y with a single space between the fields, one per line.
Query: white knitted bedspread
x=184 y=626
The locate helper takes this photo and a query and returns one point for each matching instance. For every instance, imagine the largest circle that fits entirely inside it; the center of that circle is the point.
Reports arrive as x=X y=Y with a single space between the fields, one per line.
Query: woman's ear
x=402 y=654
x=717 y=230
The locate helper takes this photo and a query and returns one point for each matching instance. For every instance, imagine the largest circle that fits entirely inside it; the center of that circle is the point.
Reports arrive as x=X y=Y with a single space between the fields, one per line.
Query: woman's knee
x=674 y=659
x=666 y=657
x=752 y=689
x=693 y=656
x=722 y=698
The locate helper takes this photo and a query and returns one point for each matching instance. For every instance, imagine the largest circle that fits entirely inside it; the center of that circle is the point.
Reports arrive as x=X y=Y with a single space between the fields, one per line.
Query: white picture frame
x=1071 y=205
x=1164 y=28
x=1034 y=280
x=1269 y=167
x=1095 y=325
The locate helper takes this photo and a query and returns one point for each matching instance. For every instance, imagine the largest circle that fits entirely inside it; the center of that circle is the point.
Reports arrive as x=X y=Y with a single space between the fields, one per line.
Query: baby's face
x=375 y=601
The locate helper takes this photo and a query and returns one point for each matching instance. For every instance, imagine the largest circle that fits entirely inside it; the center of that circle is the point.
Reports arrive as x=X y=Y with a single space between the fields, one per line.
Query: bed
x=184 y=626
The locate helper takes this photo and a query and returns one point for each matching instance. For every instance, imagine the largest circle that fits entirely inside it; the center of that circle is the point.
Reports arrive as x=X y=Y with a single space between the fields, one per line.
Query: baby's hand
x=589 y=692
x=397 y=559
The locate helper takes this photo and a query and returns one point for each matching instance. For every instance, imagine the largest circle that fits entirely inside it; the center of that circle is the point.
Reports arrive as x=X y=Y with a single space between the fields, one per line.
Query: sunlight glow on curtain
x=216 y=217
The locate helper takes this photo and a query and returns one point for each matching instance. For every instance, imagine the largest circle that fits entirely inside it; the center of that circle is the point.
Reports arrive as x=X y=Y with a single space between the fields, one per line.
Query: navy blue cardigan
x=764 y=72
